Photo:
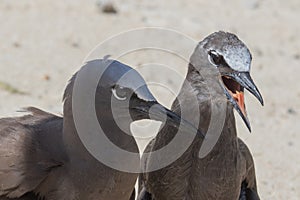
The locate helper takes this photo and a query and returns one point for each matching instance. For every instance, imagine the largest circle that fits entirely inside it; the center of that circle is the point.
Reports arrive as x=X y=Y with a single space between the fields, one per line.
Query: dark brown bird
x=42 y=156
x=217 y=75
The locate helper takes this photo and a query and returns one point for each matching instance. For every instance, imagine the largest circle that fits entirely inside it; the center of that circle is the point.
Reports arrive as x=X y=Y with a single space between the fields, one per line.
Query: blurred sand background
x=43 y=42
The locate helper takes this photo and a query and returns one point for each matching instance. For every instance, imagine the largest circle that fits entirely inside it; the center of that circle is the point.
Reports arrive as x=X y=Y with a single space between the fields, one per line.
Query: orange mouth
x=236 y=91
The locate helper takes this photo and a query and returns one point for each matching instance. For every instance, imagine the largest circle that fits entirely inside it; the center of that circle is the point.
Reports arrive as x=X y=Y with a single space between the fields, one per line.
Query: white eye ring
x=210 y=58
x=114 y=91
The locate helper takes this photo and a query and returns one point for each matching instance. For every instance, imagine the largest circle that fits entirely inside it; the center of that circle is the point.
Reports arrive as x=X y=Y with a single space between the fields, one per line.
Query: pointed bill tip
x=245 y=119
x=261 y=101
x=248 y=126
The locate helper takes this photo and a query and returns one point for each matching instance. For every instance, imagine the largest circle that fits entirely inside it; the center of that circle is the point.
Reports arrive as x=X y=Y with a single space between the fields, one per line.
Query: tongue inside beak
x=235 y=94
x=239 y=98
x=236 y=91
x=233 y=86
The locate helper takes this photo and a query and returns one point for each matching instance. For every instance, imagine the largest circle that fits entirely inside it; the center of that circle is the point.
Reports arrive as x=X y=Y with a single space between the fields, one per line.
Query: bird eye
x=214 y=58
x=120 y=92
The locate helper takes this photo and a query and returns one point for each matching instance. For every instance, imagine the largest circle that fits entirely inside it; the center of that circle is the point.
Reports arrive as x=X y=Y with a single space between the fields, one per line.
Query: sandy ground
x=42 y=43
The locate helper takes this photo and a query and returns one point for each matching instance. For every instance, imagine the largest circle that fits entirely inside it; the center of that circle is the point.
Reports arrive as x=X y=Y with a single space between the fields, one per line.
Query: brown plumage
x=227 y=171
x=30 y=148
x=42 y=156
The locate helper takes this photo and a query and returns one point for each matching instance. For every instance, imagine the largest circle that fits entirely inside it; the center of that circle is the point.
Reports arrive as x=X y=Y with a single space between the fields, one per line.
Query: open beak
x=156 y=111
x=234 y=83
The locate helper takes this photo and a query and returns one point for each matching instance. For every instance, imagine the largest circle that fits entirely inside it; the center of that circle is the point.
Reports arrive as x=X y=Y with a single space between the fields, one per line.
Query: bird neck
x=71 y=139
x=73 y=143
x=216 y=113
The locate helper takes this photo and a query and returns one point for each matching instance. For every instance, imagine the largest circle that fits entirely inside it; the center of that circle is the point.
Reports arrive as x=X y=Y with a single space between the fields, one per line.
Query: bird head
x=123 y=94
x=228 y=59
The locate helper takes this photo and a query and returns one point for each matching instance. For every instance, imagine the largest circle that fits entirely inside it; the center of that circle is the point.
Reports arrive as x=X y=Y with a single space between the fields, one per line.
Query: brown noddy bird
x=42 y=156
x=218 y=72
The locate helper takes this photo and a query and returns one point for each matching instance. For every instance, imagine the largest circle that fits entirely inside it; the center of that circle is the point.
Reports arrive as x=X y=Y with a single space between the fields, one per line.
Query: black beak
x=155 y=111
x=245 y=80
x=236 y=95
